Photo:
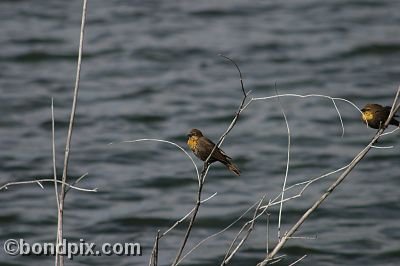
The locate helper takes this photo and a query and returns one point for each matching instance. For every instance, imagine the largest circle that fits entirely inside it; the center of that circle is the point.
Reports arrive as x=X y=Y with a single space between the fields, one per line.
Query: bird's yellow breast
x=367 y=116
x=192 y=142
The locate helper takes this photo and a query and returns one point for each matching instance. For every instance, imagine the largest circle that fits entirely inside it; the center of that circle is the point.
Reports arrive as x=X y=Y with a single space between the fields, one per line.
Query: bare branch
x=287 y=165
x=40 y=184
x=77 y=181
x=297 y=261
x=267 y=234
x=70 y=129
x=154 y=252
x=54 y=172
x=38 y=181
x=338 y=181
x=333 y=99
x=54 y=156
x=240 y=73
x=169 y=142
x=184 y=217
x=74 y=102
x=177 y=223
x=207 y=165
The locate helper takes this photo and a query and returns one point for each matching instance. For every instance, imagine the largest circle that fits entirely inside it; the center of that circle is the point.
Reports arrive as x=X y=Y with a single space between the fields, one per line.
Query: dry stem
x=69 y=136
x=39 y=181
x=287 y=166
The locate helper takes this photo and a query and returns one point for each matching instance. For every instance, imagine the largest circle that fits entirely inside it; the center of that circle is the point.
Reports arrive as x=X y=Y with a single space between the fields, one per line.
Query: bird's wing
x=389 y=108
x=219 y=150
x=206 y=146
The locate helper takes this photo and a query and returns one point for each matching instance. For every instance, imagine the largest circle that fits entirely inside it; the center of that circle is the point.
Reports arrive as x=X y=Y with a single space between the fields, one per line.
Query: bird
x=375 y=115
x=201 y=146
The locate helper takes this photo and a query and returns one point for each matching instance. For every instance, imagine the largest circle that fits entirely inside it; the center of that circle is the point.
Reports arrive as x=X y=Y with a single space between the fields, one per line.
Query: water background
x=151 y=70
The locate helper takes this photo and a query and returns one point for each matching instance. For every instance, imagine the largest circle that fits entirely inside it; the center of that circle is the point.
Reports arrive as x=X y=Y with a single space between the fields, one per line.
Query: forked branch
x=206 y=166
x=338 y=181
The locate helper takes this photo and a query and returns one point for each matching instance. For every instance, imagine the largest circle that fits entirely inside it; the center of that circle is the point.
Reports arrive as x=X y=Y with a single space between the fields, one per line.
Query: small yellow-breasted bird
x=202 y=147
x=375 y=115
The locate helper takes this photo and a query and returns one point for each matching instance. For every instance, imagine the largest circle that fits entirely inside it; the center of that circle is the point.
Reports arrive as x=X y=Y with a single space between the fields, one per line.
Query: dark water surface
x=150 y=70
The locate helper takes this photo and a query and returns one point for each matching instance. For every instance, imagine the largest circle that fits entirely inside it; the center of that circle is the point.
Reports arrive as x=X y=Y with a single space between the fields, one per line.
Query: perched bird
x=202 y=147
x=375 y=115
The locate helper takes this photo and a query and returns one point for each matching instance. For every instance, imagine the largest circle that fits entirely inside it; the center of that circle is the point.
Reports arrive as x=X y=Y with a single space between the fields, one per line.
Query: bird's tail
x=233 y=168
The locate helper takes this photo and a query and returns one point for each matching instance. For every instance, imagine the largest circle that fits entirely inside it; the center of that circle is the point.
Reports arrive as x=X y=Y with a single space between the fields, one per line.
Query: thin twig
x=382 y=147
x=177 y=223
x=333 y=99
x=184 y=217
x=70 y=129
x=5 y=186
x=169 y=142
x=54 y=172
x=74 y=102
x=219 y=232
x=54 y=154
x=267 y=233
x=391 y=132
x=303 y=237
x=40 y=184
x=276 y=259
x=340 y=116
x=77 y=181
x=297 y=261
x=287 y=165
x=307 y=183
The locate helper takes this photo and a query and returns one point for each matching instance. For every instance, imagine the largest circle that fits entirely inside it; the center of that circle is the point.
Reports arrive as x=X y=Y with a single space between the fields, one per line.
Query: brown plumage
x=202 y=147
x=375 y=115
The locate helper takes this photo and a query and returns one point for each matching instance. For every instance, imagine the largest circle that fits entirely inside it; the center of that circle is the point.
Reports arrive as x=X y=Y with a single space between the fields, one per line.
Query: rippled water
x=151 y=70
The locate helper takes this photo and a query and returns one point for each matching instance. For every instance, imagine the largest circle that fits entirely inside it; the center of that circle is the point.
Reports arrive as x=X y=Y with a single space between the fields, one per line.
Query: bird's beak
x=363 y=110
x=188 y=135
